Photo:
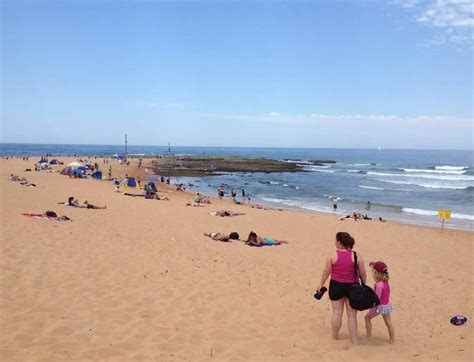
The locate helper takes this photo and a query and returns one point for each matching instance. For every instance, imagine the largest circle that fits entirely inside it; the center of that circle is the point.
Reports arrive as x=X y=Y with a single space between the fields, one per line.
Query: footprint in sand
x=62 y=331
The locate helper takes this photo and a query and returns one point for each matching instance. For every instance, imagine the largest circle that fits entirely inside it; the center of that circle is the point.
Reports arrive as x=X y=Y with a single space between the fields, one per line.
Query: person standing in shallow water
x=340 y=266
x=334 y=204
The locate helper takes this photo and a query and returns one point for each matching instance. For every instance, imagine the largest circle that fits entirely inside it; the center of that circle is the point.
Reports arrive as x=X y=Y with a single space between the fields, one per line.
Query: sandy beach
x=139 y=280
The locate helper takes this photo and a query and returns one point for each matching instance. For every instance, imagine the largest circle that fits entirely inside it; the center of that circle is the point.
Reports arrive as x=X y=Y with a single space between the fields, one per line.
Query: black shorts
x=338 y=290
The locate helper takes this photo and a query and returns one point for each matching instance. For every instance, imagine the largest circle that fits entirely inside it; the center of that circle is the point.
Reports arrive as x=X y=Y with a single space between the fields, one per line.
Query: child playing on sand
x=382 y=289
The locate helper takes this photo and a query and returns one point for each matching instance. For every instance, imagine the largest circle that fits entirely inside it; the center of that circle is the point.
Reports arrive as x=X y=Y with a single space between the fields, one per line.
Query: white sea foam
x=371 y=188
x=435 y=213
x=381 y=173
x=353 y=171
x=433 y=177
x=358 y=164
x=297 y=161
x=279 y=201
x=272 y=199
x=319 y=169
x=426 y=185
x=453 y=172
x=451 y=168
x=274 y=183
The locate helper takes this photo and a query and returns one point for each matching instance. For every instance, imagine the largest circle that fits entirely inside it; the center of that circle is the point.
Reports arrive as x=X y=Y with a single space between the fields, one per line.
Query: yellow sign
x=444 y=214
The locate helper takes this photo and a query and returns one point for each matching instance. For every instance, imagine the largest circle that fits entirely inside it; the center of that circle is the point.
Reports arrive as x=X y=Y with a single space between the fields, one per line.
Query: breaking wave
x=371 y=188
x=422 y=170
x=434 y=177
x=451 y=168
x=435 y=213
x=427 y=185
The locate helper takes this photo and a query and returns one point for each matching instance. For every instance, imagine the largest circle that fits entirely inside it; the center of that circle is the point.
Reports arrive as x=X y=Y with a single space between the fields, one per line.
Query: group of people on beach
x=21 y=180
x=233 y=194
x=343 y=266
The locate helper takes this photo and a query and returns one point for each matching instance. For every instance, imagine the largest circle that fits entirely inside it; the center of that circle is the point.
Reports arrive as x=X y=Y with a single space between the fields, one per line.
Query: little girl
x=382 y=289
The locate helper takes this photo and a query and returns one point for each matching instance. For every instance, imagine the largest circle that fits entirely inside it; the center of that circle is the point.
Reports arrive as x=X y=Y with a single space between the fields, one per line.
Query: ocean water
x=402 y=185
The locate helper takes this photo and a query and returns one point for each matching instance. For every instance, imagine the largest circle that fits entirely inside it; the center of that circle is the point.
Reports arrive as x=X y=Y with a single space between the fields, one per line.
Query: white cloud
x=448 y=13
x=346 y=119
x=407 y=4
x=274 y=114
x=456 y=16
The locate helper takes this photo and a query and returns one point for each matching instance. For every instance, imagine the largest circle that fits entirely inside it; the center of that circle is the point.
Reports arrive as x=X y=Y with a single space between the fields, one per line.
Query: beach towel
x=223 y=213
x=76 y=206
x=44 y=217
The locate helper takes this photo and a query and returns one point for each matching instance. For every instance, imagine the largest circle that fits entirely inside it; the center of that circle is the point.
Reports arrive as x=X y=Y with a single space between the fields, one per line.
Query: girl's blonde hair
x=380 y=277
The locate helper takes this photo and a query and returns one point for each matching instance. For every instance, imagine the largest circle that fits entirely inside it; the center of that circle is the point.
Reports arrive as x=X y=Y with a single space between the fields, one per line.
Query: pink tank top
x=383 y=292
x=343 y=269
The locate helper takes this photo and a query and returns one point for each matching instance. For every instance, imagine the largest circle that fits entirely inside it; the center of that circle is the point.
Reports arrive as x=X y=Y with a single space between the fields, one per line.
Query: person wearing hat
x=382 y=289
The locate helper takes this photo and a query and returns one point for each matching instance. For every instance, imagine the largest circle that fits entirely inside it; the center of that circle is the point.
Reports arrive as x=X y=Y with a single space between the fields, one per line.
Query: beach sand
x=139 y=281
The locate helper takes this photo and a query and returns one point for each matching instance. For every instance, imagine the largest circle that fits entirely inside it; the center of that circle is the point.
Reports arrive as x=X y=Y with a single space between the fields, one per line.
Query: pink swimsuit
x=343 y=269
x=382 y=289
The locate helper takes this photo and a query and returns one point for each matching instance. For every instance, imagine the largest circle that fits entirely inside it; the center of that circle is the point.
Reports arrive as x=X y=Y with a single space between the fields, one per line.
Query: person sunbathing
x=71 y=201
x=86 y=205
x=157 y=197
x=48 y=215
x=223 y=237
x=255 y=240
x=189 y=203
x=17 y=178
x=223 y=213
x=26 y=183
x=90 y=206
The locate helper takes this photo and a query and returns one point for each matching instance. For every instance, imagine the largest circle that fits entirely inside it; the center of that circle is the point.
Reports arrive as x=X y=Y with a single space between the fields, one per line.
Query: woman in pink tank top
x=340 y=265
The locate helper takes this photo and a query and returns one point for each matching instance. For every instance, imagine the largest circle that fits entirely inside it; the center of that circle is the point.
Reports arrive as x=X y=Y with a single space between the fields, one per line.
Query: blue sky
x=285 y=74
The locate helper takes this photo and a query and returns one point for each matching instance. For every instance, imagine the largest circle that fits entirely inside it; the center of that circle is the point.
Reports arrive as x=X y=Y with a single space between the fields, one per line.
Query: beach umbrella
x=75 y=164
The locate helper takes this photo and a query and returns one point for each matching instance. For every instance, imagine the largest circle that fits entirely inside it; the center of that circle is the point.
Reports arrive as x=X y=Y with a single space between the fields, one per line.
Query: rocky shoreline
x=208 y=166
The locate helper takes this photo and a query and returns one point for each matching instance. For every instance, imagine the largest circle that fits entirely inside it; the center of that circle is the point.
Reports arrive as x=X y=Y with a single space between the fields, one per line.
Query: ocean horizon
x=8 y=146
x=402 y=185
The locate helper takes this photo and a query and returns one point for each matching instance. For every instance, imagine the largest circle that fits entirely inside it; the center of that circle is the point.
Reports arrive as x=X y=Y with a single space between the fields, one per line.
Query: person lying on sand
x=71 y=201
x=356 y=216
x=259 y=207
x=205 y=200
x=17 y=178
x=189 y=203
x=223 y=237
x=255 y=240
x=48 y=215
x=156 y=197
x=86 y=205
x=26 y=183
x=223 y=213
x=90 y=206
